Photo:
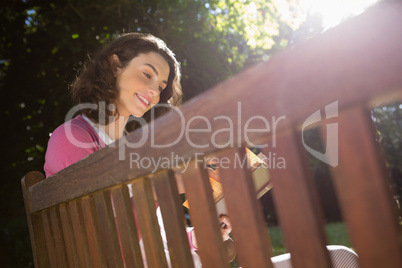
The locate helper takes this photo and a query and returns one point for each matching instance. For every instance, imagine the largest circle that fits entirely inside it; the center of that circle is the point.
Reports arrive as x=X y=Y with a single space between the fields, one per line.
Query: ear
x=115 y=64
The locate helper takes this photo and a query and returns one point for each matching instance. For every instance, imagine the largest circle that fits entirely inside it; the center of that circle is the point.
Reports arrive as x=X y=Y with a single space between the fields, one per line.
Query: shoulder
x=69 y=143
x=76 y=132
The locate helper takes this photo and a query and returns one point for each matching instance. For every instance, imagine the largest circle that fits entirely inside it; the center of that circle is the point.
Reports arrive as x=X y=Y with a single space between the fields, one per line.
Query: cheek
x=155 y=100
x=127 y=82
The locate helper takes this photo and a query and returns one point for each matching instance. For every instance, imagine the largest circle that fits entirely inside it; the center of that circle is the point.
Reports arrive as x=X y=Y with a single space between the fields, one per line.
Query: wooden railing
x=351 y=68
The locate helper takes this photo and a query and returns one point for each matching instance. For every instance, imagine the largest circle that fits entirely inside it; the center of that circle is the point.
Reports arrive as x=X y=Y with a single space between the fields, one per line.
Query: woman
x=127 y=78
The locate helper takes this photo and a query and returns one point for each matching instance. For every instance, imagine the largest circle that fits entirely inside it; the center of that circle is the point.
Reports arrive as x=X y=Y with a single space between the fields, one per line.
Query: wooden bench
x=349 y=69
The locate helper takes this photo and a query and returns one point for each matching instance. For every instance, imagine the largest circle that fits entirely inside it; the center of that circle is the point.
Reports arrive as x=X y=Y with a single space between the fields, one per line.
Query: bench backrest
x=344 y=71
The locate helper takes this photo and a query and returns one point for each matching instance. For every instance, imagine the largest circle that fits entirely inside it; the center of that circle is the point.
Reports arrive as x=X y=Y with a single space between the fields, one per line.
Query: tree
x=388 y=122
x=44 y=43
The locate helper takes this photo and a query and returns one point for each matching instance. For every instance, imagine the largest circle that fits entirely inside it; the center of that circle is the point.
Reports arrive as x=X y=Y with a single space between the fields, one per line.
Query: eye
x=147 y=75
x=162 y=87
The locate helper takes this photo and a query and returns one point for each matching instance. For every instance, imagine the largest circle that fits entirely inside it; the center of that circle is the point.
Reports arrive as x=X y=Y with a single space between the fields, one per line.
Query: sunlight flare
x=334 y=12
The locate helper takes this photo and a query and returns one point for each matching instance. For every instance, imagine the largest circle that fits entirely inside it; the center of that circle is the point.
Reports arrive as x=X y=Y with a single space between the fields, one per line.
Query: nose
x=153 y=90
x=153 y=93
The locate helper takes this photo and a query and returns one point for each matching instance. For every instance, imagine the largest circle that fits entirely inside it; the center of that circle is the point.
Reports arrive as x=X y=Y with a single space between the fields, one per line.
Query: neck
x=115 y=129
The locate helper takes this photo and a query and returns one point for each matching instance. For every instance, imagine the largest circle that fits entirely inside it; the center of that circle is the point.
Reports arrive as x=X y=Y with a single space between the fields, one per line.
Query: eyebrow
x=156 y=71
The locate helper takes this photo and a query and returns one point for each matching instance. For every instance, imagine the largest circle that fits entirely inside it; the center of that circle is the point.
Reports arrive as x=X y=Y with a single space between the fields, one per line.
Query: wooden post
x=204 y=217
x=146 y=214
x=249 y=229
x=173 y=219
x=35 y=224
x=362 y=187
x=294 y=198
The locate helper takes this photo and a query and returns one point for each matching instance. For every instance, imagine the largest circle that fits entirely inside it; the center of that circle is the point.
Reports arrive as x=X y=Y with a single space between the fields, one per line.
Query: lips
x=144 y=99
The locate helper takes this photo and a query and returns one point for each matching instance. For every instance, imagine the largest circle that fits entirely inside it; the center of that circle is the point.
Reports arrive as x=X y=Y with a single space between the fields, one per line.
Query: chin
x=138 y=114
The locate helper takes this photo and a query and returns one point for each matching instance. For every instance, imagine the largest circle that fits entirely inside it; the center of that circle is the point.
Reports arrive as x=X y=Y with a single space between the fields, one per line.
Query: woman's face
x=140 y=84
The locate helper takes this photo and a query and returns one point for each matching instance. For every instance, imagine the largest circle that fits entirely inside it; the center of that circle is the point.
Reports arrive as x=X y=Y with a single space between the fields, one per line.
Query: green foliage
x=336 y=235
x=277 y=241
x=388 y=122
x=322 y=177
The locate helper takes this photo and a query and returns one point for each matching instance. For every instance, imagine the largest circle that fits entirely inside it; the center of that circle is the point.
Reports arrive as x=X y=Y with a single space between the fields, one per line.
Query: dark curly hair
x=97 y=84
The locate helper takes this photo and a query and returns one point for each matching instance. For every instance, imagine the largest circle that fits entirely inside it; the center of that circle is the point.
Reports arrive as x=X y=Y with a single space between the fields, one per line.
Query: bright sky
x=335 y=11
x=294 y=12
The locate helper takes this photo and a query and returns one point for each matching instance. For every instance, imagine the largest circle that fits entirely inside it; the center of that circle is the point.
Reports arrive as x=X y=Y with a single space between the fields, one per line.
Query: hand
x=228 y=243
x=226 y=227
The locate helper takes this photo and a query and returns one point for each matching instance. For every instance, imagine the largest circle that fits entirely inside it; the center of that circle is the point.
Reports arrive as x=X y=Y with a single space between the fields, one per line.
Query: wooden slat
x=299 y=218
x=41 y=258
x=350 y=63
x=148 y=223
x=35 y=224
x=57 y=232
x=126 y=227
x=50 y=244
x=253 y=246
x=204 y=217
x=69 y=240
x=80 y=236
x=90 y=224
x=363 y=190
x=173 y=219
x=107 y=229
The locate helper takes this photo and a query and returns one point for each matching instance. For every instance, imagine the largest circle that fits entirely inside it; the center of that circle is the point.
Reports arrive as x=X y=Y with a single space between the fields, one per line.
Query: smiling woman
x=127 y=78
x=132 y=76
